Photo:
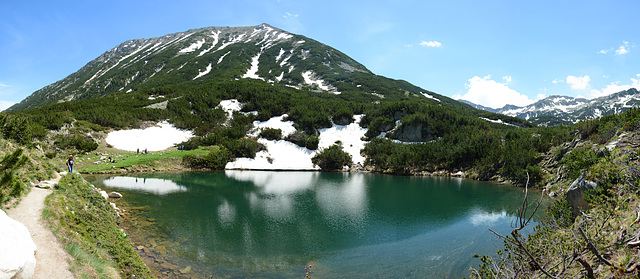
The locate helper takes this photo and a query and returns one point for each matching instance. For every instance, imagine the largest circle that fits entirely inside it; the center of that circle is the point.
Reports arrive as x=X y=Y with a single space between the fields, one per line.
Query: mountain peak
x=222 y=54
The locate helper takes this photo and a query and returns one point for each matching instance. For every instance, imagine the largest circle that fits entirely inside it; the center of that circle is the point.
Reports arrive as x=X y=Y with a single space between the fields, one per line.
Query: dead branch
x=586 y=266
x=637 y=216
x=593 y=247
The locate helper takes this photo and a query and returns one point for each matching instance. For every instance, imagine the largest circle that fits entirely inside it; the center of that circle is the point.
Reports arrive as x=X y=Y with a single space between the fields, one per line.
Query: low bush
x=216 y=159
x=332 y=158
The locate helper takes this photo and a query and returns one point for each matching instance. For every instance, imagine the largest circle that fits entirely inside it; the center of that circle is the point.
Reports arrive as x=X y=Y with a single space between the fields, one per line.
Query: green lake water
x=241 y=224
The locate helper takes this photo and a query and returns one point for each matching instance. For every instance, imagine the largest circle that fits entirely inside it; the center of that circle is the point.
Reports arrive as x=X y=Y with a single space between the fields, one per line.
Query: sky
x=492 y=53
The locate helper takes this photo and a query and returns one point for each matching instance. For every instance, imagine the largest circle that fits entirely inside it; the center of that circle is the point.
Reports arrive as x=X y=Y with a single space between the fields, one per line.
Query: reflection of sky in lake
x=344 y=203
x=150 y=185
x=482 y=218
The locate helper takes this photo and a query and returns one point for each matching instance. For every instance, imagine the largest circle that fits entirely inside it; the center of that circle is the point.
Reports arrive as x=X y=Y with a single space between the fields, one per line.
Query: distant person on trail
x=70 y=163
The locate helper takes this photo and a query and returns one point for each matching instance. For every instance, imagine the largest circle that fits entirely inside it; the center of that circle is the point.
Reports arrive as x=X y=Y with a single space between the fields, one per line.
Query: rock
x=413 y=132
x=343 y=120
x=104 y=194
x=575 y=193
x=185 y=270
x=553 y=194
x=115 y=195
x=114 y=206
x=603 y=152
x=45 y=185
x=17 y=249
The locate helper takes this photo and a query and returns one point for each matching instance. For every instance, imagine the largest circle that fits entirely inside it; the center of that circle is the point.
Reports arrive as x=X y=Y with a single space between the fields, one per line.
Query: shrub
x=303 y=140
x=271 y=134
x=216 y=159
x=10 y=185
x=332 y=158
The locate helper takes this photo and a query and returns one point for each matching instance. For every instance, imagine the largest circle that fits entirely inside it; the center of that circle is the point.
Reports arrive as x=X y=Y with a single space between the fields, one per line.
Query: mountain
x=223 y=54
x=556 y=110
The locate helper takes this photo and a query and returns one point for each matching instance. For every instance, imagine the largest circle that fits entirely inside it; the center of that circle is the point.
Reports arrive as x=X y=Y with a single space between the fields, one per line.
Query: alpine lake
x=264 y=224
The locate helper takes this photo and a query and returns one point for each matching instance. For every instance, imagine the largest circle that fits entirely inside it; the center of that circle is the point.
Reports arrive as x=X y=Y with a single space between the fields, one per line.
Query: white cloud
x=6 y=104
x=579 y=83
x=556 y=81
x=290 y=15
x=430 y=44
x=615 y=87
x=622 y=50
x=506 y=78
x=3 y=85
x=487 y=92
x=541 y=96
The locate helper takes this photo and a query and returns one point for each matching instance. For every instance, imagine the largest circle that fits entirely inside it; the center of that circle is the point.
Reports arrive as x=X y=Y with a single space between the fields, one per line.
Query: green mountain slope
x=223 y=54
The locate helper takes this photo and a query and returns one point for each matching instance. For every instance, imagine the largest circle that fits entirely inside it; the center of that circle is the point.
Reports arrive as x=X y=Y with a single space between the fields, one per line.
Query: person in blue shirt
x=70 y=163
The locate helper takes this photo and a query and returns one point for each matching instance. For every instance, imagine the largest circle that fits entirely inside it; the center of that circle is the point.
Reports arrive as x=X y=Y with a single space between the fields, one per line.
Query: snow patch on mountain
x=229 y=106
x=232 y=40
x=284 y=155
x=206 y=71
x=222 y=57
x=193 y=47
x=276 y=122
x=253 y=71
x=310 y=79
x=216 y=38
x=429 y=96
x=155 y=138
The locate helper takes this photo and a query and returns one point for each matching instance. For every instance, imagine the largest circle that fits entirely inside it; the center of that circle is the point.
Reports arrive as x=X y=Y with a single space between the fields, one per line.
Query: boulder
x=17 y=249
x=575 y=193
x=115 y=195
x=413 y=132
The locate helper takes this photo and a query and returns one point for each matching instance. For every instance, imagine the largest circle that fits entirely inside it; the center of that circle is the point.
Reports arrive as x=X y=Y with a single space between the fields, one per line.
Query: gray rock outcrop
x=575 y=193
x=413 y=132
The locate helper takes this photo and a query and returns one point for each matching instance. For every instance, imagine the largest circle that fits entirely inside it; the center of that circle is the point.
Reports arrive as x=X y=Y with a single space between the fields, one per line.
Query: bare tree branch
x=586 y=266
x=593 y=247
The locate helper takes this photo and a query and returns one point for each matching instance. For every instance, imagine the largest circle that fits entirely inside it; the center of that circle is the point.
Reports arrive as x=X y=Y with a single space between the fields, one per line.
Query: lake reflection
x=270 y=224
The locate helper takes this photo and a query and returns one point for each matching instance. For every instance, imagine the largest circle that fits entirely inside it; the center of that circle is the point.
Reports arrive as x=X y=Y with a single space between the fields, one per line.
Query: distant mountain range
x=556 y=110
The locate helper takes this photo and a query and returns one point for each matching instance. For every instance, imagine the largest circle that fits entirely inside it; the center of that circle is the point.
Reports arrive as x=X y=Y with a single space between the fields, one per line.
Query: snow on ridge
x=206 y=71
x=100 y=73
x=232 y=41
x=193 y=47
x=253 y=71
x=216 y=38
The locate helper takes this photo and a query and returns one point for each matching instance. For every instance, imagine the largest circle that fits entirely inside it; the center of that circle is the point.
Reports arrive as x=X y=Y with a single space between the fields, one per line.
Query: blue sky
x=490 y=52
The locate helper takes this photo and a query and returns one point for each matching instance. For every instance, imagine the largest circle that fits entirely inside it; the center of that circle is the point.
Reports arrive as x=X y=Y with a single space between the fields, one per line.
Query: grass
x=130 y=161
x=87 y=226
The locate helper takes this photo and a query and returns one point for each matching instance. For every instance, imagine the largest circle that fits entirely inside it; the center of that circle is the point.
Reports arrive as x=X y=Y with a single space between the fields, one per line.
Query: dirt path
x=51 y=259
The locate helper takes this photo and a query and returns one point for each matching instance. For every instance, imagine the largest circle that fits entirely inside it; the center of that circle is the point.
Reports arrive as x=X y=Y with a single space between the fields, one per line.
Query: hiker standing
x=70 y=163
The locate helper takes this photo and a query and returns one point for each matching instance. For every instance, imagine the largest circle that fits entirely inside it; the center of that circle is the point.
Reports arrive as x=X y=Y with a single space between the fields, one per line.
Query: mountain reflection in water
x=243 y=223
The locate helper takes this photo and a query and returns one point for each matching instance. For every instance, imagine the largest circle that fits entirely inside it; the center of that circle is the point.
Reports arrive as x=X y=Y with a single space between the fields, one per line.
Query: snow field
x=154 y=138
x=280 y=154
